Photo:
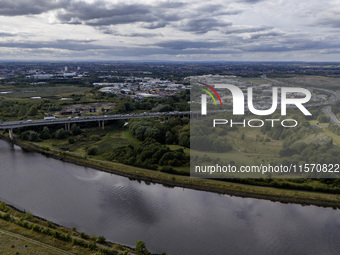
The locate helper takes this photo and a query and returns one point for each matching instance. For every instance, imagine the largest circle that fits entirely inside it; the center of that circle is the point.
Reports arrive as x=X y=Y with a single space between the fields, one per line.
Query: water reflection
x=176 y=220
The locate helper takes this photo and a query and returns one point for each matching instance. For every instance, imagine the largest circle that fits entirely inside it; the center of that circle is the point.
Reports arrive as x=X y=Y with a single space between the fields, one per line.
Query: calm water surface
x=175 y=220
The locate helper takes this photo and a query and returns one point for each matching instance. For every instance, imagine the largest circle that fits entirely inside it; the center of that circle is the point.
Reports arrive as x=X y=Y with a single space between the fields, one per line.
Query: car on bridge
x=49 y=118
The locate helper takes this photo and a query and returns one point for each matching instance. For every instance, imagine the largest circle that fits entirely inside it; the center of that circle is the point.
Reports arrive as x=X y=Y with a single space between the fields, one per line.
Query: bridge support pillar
x=101 y=124
x=11 y=134
x=67 y=126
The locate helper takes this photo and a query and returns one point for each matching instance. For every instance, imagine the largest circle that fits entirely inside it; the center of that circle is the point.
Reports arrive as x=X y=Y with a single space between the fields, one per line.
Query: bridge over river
x=10 y=125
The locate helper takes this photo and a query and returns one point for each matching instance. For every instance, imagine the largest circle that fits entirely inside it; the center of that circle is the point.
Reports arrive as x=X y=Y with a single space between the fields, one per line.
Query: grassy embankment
x=22 y=233
x=106 y=139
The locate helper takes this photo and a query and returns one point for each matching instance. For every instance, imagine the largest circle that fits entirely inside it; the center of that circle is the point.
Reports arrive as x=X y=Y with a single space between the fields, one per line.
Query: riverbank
x=22 y=232
x=241 y=190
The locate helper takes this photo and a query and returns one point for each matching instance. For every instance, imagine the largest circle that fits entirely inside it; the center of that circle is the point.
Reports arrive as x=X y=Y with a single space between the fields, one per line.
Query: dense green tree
x=169 y=138
x=54 y=108
x=75 y=129
x=60 y=134
x=323 y=118
x=184 y=139
x=45 y=133
x=33 y=136
x=32 y=111
x=23 y=110
x=25 y=135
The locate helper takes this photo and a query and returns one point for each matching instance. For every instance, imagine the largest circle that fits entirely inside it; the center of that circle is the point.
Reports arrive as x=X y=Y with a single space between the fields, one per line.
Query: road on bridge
x=99 y=118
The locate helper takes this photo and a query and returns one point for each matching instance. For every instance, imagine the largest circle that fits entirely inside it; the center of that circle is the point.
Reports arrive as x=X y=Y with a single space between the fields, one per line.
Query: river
x=175 y=220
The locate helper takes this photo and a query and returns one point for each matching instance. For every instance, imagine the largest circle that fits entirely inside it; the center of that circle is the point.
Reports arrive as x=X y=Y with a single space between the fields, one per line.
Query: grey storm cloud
x=291 y=45
x=172 y=4
x=151 y=17
x=216 y=10
x=84 y=49
x=267 y=34
x=155 y=25
x=236 y=25
x=251 y=1
x=112 y=31
x=241 y=30
x=203 y=25
x=101 y=14
x=27 y=7
x=333 y=22
x=171 y=48
x=75 y=45
x=146 y=51
x=183 y=44
x=5 y=34
x=106 y=14
x=97 y=14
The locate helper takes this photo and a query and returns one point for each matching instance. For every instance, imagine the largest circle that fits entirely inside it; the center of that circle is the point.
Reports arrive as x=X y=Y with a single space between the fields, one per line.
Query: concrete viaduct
x=10 y=125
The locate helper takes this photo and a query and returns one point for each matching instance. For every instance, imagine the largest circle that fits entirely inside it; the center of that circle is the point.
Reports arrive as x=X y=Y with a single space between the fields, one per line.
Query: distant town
x=146 y=80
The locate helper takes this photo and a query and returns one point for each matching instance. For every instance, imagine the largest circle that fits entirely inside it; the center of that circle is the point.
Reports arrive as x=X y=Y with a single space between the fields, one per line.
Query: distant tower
x=78 y=68
x=66 y=69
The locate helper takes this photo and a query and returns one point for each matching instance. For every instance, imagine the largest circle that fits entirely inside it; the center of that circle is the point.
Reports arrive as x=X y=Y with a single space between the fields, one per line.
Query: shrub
x=28 y=216
x=141 y=248
x=83 y=235
x=92 y=150
x=92 y=245
x=50 y=224
x=35 y=228
x=101 y=239
x=167 y=169
x=46 y=231
x=6 y=216
x=3 y=206
x=95 y=138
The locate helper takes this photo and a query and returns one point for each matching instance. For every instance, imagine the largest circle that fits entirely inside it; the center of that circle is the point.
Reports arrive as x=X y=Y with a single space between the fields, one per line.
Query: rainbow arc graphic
x=204 y=98
x=209 y=93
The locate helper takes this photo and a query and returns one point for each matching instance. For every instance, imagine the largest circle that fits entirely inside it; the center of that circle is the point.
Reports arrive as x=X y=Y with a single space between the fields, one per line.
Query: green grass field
x=44 y=91
x=336 y=138
x=255 y=148
x=106 y=139
x=10 y=244
x=255 y=81
x=312 y=81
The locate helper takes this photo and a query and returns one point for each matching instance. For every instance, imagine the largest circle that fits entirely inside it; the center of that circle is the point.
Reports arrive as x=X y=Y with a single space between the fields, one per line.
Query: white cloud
x=150 y=29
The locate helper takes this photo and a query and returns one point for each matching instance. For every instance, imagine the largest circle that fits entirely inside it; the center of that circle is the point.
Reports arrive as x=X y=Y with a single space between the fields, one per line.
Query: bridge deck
x=43 y=122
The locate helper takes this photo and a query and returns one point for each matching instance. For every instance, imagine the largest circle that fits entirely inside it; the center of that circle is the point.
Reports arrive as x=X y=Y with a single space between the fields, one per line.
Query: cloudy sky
x=190 y=30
